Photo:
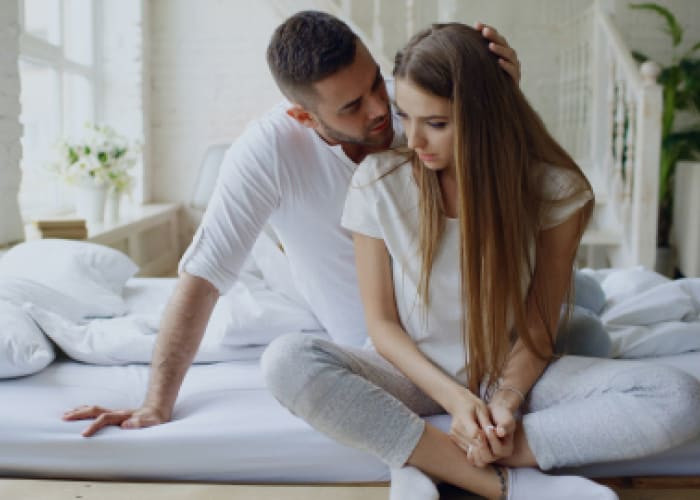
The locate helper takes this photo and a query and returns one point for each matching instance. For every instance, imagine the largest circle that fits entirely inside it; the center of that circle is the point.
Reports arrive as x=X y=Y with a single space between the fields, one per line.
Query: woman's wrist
x=453 y=397
x=511 y=399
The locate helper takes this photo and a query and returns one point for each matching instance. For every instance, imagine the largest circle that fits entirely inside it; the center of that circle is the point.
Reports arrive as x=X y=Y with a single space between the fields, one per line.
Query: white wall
x=209 y=77
x=644 y=31
x=11 y=228
x=124 y=86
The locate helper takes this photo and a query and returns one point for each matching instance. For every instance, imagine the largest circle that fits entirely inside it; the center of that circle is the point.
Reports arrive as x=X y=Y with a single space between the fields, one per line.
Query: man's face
x=352 y=105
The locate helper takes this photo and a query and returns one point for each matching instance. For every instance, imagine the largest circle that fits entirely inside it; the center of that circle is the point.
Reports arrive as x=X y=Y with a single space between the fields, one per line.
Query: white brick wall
x=644 y=31
x=11 y=228
x=209 y=78
x=124 y=86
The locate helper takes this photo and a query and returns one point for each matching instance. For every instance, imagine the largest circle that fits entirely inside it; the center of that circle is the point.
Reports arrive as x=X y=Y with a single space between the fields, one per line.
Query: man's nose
x=378 y=107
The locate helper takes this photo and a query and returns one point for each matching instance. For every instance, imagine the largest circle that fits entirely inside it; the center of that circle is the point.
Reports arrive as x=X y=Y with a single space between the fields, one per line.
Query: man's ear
x=300 y=114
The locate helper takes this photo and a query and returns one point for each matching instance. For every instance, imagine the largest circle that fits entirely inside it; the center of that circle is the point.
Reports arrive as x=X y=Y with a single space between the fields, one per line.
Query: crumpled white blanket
x=243 y=322
x=648 y=315
x=124 y=339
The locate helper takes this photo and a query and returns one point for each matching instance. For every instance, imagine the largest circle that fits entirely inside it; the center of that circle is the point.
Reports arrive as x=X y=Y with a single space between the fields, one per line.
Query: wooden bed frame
x=629 y=488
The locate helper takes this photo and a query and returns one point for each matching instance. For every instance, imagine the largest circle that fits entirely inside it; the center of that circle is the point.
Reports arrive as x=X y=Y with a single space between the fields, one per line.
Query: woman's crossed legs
x=582 y=410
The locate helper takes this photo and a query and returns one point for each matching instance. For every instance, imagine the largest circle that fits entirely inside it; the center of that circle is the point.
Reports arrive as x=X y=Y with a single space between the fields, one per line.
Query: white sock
x=409 y=483
x=526 y=483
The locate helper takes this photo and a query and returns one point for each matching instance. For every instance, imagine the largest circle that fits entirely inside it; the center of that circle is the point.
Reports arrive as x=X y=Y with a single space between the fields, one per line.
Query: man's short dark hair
x=306 y=48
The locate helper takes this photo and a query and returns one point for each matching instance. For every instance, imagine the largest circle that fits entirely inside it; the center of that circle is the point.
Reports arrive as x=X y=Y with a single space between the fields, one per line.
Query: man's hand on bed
x=126 y=419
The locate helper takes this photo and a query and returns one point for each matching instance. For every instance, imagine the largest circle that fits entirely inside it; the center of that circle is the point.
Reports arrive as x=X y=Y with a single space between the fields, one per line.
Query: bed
x=226 y=427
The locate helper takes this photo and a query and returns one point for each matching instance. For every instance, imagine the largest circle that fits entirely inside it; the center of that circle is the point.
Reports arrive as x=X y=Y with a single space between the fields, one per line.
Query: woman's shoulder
x=557 y=182
x=381 y=168
x=564 y=191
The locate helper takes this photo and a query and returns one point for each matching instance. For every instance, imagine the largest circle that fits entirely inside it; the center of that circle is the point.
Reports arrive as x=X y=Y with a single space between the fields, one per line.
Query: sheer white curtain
x=11 y=228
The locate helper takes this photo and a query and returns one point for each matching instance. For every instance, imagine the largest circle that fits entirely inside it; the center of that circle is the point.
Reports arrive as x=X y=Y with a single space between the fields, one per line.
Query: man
x=291 y=169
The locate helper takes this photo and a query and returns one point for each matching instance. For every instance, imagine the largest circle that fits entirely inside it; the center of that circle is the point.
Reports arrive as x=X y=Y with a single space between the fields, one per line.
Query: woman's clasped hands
x=485 y=431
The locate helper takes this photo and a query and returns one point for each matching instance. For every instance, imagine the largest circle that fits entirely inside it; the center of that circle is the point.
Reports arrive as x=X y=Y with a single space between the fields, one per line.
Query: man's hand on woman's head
x=508 y=58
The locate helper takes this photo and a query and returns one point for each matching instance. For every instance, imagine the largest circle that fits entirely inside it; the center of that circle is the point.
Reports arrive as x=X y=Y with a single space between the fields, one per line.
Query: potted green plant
x=680 y=81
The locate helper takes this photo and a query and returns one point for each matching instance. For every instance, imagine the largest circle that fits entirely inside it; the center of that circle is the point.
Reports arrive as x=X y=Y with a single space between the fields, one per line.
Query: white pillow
x=89 y=273
x=668 y=301
x=23 y=347
x=274 y=266
x=250 y=313
x=651 y=341
x=622 y=284
x=19 y=291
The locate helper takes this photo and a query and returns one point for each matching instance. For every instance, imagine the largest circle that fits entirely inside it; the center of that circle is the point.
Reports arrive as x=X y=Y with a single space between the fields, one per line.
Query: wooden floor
x=20 y=489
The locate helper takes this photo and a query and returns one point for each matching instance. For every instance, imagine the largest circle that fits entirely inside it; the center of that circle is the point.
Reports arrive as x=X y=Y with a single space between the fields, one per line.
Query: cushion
x=273 y=263
x=23 y=347
x=19 y=291
x=621 y=284
x=89 y=273
x=252 y=313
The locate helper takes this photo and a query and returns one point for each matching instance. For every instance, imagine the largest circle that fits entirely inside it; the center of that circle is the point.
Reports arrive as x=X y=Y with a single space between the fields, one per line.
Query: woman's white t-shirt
x=386 y=207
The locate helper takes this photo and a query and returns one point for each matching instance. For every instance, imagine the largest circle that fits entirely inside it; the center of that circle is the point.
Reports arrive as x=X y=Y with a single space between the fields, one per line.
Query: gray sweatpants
x=582 y=410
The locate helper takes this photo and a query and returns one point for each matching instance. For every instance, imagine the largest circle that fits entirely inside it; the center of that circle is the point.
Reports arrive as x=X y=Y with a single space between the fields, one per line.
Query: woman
x=465 y=246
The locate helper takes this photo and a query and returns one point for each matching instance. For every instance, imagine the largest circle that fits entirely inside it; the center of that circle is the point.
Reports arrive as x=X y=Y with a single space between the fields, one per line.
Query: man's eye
x=437 y=124
x=401 y=115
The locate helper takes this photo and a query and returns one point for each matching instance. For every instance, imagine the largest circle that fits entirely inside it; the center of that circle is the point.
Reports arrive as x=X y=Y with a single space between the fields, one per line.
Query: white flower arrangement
x=103 y=159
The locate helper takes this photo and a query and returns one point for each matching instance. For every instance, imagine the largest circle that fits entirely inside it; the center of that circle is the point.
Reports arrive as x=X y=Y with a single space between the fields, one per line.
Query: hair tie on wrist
x=511 y=389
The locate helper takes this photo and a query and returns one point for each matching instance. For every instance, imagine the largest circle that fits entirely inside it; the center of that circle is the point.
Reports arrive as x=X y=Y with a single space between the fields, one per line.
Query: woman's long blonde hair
x=499 y=142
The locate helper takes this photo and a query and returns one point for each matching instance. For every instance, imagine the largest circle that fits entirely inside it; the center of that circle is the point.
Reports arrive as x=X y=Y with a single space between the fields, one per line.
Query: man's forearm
x=181 y=331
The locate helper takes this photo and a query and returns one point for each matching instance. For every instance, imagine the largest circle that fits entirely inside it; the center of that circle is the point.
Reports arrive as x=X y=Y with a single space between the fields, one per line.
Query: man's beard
x=366 y=140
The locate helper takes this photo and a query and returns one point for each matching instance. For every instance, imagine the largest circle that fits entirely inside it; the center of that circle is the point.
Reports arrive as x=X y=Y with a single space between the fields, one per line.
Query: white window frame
x=34 y=49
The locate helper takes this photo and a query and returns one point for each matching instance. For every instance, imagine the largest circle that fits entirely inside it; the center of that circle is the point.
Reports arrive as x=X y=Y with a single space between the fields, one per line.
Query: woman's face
x=427 y=120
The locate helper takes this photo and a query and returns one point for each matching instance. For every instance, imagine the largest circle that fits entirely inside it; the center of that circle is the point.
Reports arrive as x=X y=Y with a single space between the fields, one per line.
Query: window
x=59 y=78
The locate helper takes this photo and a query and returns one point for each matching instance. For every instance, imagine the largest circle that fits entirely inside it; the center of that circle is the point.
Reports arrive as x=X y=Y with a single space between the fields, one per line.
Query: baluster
x=630 y=147
x=580 y=89
x=619 y=132
x=609 y=144
x=585 y=99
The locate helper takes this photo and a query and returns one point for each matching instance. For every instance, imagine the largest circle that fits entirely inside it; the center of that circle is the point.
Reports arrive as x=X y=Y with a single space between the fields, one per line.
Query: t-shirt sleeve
x=247 y=192
x=565 y=192
x=360 y=212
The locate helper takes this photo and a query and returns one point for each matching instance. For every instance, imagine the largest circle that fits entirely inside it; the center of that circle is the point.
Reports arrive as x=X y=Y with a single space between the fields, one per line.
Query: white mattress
x=226 y=427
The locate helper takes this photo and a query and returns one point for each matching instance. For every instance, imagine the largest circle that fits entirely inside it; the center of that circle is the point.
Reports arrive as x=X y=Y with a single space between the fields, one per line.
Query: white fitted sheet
x=226 y=426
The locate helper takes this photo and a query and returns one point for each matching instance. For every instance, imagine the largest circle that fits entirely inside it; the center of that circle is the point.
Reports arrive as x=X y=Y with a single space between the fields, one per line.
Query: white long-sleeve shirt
x=282 y=173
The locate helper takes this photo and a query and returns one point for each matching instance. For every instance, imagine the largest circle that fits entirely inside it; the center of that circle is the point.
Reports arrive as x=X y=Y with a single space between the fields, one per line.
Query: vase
x=90 y=202
x=112 y=206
